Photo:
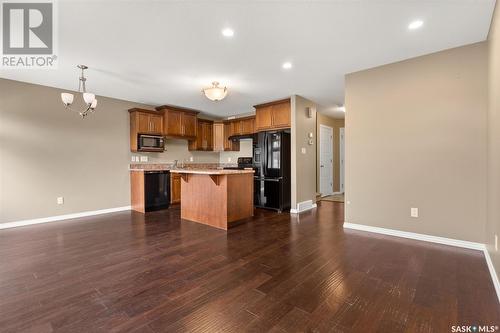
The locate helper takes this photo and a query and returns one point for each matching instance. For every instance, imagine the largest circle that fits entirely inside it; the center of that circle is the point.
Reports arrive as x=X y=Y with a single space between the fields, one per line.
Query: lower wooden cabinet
x=175 y=188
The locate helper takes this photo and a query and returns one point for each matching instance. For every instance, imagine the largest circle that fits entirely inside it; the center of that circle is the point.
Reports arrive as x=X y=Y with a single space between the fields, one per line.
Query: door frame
x=321 y=126
x=342 y=159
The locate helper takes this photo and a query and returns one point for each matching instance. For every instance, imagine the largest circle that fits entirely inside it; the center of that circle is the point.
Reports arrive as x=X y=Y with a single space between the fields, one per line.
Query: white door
x=326 y=160
x=342 y=157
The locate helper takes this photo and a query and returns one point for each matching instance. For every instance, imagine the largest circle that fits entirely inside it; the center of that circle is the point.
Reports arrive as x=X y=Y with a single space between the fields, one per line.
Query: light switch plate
x=191 y=159
x=60 y=200
x=144 y=158
x=303 y=150
x=414 y=212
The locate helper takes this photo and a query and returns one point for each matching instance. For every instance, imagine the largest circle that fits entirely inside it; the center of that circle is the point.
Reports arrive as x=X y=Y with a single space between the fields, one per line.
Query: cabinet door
x=143 y=123
x=175 y=188
x=281 y=115
x=218 y=137
x=156 y=124
x=235 y=127
x=209 y=135
x=189 y=124
x=247 y=126
x=263 y=118
x=227 y=134
x=200 y=135
x=173 y=122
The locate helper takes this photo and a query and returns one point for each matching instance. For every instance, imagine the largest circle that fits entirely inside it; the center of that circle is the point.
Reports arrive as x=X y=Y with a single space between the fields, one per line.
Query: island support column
x=216 y=199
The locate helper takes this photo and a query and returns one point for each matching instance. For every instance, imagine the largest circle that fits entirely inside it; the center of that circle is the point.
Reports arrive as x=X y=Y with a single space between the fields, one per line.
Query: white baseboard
x=434 y=239
x=413 y=235
x=21 y=223
x=303 y=206
x=493 y=272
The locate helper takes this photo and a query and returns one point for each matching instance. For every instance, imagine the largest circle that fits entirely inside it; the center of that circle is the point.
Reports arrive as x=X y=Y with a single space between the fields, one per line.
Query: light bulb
x=67 y=98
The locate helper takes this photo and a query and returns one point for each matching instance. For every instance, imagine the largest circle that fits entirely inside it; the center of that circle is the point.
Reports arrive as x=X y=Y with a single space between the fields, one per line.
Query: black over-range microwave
x=150 y=142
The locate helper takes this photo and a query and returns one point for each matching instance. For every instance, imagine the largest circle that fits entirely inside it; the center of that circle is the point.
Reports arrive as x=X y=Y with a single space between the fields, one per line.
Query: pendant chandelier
x=88 y=98
x=215 y=93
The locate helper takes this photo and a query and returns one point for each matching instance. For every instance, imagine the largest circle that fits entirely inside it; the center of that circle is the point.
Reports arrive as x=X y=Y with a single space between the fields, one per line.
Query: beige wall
x=246 y=150
x=46 y=152
x=493 y=225
x=416 y=137
x=303 y=168
x=335 y=124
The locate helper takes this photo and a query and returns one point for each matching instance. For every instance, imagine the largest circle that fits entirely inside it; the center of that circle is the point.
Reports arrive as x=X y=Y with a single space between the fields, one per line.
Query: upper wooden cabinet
x=144 y=122
x=218 y=136
x=204 y=136
x=242 y=126
x=222 y=132
x=248 y=125
x=178 y=122
x=274 y=115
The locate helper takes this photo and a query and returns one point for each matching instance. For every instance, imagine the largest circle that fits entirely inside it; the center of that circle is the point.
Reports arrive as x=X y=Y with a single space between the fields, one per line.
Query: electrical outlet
x=303 y=150
x=144 y=158
x=496 y=242
x=133 y=158
x=229 y=159
x=414 y=212
x=60 y=200
x=191 y=159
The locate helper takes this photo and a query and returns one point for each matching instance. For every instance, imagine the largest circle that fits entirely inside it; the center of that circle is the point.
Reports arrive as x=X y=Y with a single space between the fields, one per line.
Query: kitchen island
x=216 y=197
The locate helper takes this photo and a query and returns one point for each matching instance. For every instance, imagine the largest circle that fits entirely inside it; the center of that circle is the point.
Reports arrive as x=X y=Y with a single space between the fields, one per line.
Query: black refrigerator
x=271 y=158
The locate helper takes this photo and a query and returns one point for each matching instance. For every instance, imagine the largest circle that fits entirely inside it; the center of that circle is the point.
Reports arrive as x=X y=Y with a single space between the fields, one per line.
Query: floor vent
x=303 y=206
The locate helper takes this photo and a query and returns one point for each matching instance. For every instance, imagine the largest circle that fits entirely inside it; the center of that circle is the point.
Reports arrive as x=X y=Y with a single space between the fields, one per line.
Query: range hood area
x=242 y=136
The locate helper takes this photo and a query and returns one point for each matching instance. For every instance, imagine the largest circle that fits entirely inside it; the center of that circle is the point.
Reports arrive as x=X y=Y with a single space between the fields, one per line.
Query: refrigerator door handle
x=266 y=151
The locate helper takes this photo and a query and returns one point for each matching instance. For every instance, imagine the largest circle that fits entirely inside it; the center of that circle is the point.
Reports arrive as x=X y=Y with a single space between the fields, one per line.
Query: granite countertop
x=170 y=166
x=212 y=171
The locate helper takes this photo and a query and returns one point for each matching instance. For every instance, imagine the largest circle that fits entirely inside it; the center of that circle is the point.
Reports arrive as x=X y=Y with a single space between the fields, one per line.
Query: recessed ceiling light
x=415 y=24
x=228 y=32
x=287 y=65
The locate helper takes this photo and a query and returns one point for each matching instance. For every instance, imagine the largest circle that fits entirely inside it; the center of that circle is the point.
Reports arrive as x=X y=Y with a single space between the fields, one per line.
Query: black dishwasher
x=157 y=190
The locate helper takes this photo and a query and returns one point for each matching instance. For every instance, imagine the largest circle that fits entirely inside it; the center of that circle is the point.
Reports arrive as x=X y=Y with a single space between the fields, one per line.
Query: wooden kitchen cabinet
x=204 y=136
x=144 y=121
x=189 y=121
x=274 y=115
x=175 y=188
x=218 y=136
x=248 y=125
x=230 y=145
x=222 y=132
x=179 y=122
x=243 y=126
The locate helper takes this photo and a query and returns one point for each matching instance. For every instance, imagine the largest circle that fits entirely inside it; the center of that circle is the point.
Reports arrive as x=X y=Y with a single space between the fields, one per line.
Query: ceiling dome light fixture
x=88 y=98
x=287 y=65
x=415 y=24
x=215 y=93
x=228 y=32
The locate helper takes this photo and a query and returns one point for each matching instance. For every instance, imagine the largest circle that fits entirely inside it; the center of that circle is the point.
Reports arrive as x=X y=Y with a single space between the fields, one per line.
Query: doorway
x=342 y=158
x=325 y=160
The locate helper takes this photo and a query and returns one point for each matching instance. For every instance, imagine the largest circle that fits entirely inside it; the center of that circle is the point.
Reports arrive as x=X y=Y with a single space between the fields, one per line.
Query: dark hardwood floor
x=124 y=272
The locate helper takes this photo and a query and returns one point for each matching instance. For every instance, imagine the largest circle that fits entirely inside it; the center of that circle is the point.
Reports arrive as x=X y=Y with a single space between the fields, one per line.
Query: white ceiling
x=158 y=52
